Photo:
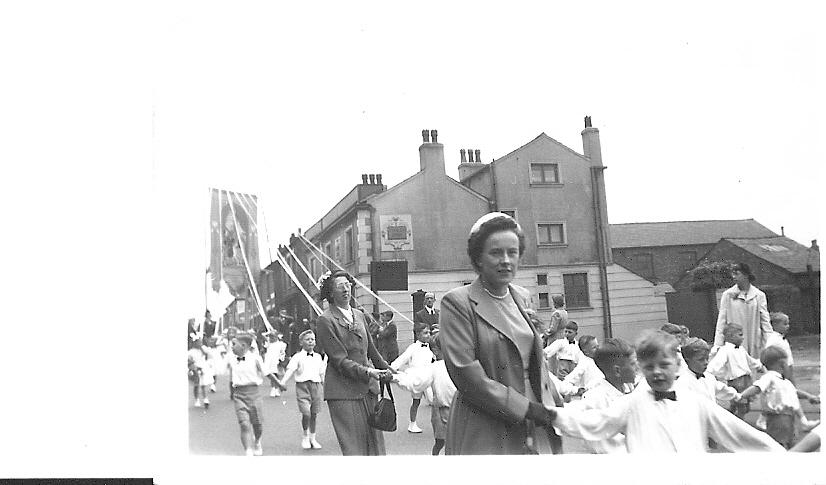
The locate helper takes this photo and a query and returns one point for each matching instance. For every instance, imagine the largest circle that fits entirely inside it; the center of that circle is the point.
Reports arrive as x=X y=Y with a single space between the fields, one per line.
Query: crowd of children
x=668 y=392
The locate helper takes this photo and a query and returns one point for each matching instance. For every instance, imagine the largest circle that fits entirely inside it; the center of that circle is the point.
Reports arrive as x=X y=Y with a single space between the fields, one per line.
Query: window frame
x=552 y=244
x=543 y=275
x=570 y=302
x=548 y=300
x=545 y=183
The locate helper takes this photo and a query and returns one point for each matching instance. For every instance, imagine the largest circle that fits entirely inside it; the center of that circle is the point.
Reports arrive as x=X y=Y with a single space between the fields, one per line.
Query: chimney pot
x=814 y=245
x=478 y=155
x=587 y=122
x=425 y=136
x=433 y=135
x=378 y=179
x=462 y=154
x=470 y=155
x=782 y=231
x=372 y=179
x=364 y=178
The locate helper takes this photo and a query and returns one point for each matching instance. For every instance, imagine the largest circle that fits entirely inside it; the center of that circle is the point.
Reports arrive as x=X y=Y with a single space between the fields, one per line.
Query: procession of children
x=664 y=391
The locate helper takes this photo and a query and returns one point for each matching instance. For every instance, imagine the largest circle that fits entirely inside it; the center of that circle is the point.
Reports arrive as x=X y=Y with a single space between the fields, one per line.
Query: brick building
x=785 y=270
x=664 y=251
x=556 y=194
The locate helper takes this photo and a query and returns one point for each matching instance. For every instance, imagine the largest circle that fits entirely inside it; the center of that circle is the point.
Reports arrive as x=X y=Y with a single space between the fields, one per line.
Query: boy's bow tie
x=424 y=344
x=310 y=354
x=240 y=359
x=659 y=395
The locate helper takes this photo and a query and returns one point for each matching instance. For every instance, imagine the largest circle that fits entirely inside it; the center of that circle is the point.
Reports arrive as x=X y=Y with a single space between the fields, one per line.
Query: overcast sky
x=703 y=113
x=116 y=117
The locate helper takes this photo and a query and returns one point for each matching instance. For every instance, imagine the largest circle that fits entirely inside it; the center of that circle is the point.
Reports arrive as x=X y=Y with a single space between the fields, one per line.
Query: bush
x=711 y=275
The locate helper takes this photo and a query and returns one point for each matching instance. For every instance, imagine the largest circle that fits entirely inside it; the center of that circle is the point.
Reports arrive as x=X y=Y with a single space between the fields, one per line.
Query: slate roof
x=678 y=233
x=780 y=251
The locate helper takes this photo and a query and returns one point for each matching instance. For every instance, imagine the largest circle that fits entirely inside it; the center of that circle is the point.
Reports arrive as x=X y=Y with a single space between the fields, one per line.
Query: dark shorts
x=309 y=395
x=781 y=428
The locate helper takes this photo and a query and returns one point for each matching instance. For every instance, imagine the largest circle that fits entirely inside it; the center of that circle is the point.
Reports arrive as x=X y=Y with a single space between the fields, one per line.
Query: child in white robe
x=698 y=379
x=616 y=361
x=415 y=370
x=733 y=365
x=586 y=374
x=660 y=418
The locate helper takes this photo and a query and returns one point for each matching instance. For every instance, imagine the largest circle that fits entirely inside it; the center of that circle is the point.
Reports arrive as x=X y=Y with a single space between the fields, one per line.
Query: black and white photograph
x=414 y=231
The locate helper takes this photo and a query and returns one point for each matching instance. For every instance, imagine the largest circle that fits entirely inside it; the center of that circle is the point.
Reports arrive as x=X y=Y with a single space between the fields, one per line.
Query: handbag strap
x=382 y=386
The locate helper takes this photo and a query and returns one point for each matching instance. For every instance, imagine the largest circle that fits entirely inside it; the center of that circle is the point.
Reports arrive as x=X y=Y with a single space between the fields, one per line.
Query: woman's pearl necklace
x=507 y=292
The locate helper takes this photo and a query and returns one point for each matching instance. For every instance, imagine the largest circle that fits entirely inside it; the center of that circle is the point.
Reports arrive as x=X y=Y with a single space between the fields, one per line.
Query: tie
x=240 y=359
x=736 y=346
x=659 y=396
x=784 y=337
x=309 y=354
x=424 y=344
x=699 y=375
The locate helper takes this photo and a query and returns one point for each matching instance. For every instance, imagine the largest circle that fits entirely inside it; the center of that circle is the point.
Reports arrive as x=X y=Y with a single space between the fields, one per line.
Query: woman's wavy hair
x=477 y=238
x=326 y=290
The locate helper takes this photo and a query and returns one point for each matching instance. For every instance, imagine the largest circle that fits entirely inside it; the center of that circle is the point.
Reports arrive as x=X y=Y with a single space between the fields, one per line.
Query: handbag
x=383 y=416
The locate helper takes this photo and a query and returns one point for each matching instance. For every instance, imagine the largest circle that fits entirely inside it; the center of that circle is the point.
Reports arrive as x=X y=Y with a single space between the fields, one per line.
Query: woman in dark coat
x=493 y=353
x=343 y=334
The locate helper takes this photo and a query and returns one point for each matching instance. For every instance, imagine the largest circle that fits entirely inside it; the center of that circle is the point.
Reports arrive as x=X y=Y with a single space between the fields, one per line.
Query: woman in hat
x=493 y=352
x=746 y=305
x=343 y=334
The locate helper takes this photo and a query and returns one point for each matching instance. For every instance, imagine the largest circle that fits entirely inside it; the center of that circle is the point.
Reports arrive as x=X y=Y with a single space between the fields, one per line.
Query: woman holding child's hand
x=493 y=353
x=343 y=334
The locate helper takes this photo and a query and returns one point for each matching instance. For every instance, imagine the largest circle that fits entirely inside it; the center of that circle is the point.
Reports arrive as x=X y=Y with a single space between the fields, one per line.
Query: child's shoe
x=206 y=403
x=259 y=448
x=198 y=403
x=305 y=442
x=249 y=452
x=414 y=428
x=212 y=388
x=313 y=443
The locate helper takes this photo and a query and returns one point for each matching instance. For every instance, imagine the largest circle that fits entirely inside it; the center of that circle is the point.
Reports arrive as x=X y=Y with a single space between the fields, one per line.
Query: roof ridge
x=672 y=222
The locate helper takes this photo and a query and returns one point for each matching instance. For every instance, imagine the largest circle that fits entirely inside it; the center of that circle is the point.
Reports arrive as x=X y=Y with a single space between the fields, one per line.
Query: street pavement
x=214 y=431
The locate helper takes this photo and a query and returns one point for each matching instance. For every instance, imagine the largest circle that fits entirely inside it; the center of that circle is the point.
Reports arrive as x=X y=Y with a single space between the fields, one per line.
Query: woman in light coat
x=493 y=353
x=746 y=305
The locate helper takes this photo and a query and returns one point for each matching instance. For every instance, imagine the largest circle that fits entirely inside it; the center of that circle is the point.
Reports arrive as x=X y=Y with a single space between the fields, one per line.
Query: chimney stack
x=372 y=179
x=364 y=179
x=378 y=179
x=590 y=143
x=470 y=165
x=431 y=154
x=815 y=246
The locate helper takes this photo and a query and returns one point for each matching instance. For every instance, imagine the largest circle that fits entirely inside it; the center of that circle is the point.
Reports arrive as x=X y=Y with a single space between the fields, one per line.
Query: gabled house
x=556 y=194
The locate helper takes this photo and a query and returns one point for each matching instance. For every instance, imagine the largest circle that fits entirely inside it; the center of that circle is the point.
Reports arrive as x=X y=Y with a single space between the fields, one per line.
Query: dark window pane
x=576 y=290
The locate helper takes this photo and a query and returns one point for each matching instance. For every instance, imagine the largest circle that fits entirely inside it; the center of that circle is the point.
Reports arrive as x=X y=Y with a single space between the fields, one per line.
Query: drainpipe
x=596 y=173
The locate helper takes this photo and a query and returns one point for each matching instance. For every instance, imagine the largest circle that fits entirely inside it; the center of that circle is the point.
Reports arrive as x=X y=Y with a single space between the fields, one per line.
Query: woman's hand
x=540 y=414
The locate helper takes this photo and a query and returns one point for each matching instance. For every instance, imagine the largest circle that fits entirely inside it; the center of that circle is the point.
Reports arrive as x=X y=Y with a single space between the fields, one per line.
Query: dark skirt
x=355 y=436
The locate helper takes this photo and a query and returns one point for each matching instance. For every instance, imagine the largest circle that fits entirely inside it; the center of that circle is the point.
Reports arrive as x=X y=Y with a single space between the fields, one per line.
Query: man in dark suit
x=428 y=314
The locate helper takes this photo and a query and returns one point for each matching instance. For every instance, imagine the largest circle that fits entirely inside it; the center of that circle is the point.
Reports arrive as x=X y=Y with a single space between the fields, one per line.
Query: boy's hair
x=694 y=346
x=610 y=353
x=244 y=338
x=419 y=326
x=387 y=313
x=655 y=342
x=572 y=326
x=305 y=333
x=685 y=330
x=585 y=340
x=731 y=328
x=770 y=355
x=672 y=329
x=559 y=301
x=778 y=317
x=272 y=337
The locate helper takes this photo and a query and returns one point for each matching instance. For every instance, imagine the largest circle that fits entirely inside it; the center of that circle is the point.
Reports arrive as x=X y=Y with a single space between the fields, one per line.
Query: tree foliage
x=711 y=275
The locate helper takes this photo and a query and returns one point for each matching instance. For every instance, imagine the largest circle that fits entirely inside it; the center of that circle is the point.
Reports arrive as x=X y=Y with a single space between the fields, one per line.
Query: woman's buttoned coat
x=348 y=347
x=487 y=415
